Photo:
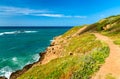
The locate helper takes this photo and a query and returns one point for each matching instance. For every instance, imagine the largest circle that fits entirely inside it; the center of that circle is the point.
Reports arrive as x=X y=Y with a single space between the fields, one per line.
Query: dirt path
x=112 y=63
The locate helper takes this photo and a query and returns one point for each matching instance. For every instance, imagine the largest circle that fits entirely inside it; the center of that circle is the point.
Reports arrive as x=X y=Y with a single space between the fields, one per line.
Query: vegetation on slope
x=87 y=56
x=110 y=27
x=82 y=55
x=111 y=24
x=81 y=44
x=71 y=31
x=115 y=36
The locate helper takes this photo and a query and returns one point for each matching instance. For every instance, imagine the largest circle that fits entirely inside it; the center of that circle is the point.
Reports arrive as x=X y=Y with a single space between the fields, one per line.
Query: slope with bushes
x=80 y=59
x=78 y=53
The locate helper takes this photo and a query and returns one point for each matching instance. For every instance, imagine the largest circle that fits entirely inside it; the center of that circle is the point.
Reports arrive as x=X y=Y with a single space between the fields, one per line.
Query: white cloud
x=80 y=16
x=49 y=15
x=16 y=10
x=12 y=11
x=59 y=15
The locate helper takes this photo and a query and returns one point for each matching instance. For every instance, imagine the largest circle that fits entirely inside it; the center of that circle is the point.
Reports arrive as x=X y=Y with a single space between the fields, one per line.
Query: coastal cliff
x=80 y=53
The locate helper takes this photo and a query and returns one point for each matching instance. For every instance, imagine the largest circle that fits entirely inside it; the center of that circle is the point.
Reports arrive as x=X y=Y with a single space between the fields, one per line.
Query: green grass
x=71 y=31
x=89 y=54
x=109 y=21
x=92 y=63
x=77 y=67
x=117 y=41
x=114 y=31
x=115 y=36
x=81 y=44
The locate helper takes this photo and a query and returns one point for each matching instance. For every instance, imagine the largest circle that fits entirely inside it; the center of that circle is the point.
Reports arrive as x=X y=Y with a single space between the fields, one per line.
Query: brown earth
x=112 y=63
x=52 y=52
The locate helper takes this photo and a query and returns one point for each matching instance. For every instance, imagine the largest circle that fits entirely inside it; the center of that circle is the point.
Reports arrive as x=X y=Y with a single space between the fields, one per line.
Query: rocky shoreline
x=17 y=73
x=50 y=53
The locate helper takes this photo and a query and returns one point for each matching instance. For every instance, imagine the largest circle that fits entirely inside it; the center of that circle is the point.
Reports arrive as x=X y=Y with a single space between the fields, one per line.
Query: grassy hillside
x=110 y=27
x=81 y=58
x=81 y=55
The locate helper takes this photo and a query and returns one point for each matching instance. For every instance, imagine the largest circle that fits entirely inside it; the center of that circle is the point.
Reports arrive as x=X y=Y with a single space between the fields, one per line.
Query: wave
x=36 y=57
x=16 y=32
x=14 y=59
x=30 y=31
x=16 y=64
x=6 y=71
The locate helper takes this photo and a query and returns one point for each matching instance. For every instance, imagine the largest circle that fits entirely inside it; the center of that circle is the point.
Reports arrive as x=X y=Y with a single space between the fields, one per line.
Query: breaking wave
x=16 y=32
x=6 y=71
x=16 y=64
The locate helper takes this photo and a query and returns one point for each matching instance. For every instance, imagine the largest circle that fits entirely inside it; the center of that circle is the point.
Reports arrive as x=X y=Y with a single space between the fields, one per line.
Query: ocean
x=20 y=46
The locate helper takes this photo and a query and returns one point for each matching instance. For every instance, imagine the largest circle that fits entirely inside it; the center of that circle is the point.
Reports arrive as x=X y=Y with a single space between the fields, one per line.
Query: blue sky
x=55 y=12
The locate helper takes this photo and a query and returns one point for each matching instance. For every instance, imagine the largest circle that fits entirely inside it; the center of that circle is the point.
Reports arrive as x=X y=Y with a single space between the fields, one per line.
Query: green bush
x=72 y=66
x=117 y=41
x=91 y=63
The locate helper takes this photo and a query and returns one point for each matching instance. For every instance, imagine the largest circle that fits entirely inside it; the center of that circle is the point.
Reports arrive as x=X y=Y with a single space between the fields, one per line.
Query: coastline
x=44 y=58
x=51 y=52
x=17 y=73
x=46 y=49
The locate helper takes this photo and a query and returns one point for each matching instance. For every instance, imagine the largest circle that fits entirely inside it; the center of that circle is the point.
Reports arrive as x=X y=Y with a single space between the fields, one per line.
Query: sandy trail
x=112 y=63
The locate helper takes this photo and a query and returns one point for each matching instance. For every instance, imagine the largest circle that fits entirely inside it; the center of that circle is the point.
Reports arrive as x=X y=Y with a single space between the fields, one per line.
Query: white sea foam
x=14 y=59
x=6 y=71
x=30 y=31
x=51 y=40
x=13 y=32
x=1 y=34
x=16 y=32
x=36 y=57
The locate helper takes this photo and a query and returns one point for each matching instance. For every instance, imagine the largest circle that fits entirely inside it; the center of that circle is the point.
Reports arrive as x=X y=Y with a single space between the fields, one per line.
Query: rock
x=42 y=55
x=52 y=43
x=18 y=73
x=108 y=26
x=2 y=77
x=71 y=53
x=104 y=28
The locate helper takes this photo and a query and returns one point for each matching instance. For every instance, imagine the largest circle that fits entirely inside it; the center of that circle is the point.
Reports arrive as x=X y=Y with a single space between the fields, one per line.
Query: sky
x=55 y=12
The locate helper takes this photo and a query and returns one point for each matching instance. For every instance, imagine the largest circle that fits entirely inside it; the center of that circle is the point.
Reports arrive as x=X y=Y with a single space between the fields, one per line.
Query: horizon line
x=33 y=26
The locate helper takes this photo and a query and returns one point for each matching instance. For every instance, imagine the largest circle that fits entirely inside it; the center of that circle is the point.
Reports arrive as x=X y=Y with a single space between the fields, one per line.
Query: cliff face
x=77 y=54
x=50 y=53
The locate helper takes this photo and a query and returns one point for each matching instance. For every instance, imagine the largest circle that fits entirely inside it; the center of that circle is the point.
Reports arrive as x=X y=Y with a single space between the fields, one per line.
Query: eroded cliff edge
x=50 y=53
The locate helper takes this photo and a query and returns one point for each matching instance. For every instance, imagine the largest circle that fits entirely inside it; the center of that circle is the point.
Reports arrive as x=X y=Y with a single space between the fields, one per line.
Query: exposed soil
x=112 y=63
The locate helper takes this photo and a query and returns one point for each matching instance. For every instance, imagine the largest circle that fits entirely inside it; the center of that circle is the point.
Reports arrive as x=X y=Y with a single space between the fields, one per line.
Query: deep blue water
x=21 y=46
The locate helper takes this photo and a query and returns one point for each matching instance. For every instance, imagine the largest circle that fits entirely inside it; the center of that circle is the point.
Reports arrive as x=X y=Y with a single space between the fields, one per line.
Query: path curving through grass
x=112 y=63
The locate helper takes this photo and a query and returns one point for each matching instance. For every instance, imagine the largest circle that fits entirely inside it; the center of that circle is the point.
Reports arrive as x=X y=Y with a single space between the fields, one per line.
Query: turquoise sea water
x=21 y=46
